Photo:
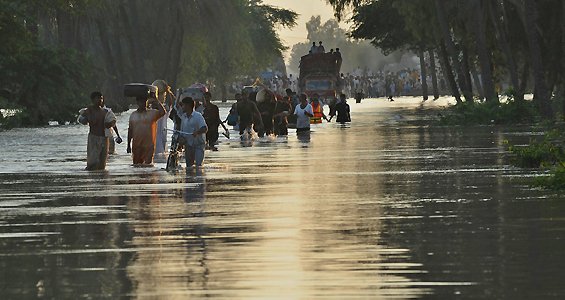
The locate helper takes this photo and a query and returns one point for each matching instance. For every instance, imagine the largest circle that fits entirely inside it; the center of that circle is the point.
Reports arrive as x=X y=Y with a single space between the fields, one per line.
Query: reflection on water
x=385 y=207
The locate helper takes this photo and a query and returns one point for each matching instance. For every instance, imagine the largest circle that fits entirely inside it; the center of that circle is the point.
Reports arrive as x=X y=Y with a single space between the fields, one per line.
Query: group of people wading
x=262 y=112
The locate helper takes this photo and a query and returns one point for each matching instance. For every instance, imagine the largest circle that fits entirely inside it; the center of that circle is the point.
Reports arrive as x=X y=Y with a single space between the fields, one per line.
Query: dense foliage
x=55 y=52
x=483 y=46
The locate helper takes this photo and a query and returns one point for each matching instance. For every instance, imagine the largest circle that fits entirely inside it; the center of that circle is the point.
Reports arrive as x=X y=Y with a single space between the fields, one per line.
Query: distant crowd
x=406 y=82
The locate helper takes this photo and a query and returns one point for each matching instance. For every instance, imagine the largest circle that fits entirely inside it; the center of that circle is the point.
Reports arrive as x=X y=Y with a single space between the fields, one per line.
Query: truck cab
x=320 y=74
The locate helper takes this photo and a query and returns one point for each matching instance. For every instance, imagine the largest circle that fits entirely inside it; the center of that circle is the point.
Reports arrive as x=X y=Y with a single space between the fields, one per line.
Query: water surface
x=388 y=207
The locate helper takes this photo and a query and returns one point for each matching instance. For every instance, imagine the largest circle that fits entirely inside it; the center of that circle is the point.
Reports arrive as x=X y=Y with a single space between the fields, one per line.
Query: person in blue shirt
x=193 y=128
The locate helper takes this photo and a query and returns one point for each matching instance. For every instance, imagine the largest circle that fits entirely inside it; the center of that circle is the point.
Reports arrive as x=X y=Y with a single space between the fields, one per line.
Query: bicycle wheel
x=172 y=161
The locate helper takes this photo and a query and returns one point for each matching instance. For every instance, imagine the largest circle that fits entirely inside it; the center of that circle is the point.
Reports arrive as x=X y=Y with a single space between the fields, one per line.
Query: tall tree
x=478 y=21
x=433 y=71
x=541 y=92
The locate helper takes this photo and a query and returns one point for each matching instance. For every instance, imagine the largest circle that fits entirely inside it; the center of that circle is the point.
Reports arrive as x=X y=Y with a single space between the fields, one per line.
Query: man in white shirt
x=303 y=112
x=194 y=131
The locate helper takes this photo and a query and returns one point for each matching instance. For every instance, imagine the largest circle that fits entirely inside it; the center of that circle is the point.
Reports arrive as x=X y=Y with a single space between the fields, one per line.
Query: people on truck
x=339 y=60
x=321 y=48
x=314 y=48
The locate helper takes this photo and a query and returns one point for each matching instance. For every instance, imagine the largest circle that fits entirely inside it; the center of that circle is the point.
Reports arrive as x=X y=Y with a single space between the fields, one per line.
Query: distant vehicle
x=320 y=74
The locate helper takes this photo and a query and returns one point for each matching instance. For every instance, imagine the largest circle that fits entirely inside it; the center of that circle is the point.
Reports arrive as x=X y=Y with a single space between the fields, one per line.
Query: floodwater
x=388 y=207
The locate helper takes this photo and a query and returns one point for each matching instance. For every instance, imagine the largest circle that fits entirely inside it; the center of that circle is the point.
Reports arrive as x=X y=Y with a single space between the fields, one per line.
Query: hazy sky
x=305 y=10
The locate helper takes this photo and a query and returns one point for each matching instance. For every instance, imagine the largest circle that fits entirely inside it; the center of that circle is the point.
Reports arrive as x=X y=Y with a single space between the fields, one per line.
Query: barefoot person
x=99 y=119
x=143 y=130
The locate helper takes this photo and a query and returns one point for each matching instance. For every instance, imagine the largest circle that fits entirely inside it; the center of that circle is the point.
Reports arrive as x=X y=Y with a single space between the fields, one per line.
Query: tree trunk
x=46 y=32
x=65 y=29
x=133 y=39
x=423 y=74
x=478 y=83
x=524 y=82
x=466 y=72
x=495 y=11
x=484 y=53
x=431 y=53
x=112 y=85
x=541 y=91
x=224 y=92
x=561 y=91
x=448 y=73
x=450 y=48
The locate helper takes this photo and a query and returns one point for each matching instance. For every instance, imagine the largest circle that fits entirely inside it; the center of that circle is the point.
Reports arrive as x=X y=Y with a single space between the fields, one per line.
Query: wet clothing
x=342 y=109
x=195 y=145
x=247 y=111
x=294 y=101
x=281 y=122
x=97 y=145
x=302 y=120
x=143 y=130
x=212 y=118
x=95 y=118
x=96 y=152
x=110 y=131
x=267 y=109
x=161 y=137
x=317 y=112
x=233 y=117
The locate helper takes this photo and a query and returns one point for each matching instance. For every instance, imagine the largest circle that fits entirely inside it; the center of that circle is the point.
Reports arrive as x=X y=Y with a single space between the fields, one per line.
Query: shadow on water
x=388 y=206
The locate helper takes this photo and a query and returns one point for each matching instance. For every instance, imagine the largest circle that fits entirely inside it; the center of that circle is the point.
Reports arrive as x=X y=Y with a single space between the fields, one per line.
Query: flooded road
x=387 y=207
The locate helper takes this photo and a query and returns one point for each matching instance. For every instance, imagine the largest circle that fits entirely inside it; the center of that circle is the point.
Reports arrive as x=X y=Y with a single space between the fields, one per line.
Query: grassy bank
x=546 y=153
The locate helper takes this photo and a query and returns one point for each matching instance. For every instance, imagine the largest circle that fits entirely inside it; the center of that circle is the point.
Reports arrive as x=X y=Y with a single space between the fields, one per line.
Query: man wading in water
x=194 y=128
x=249 y=115
x=303 y=112
x=143 y=130
x=99 y=119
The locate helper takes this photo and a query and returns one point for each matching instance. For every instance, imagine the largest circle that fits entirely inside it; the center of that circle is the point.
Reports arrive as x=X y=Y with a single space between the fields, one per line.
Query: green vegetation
x=548 y=154
x=480 y=45
x=54 y=53
x=510 y=111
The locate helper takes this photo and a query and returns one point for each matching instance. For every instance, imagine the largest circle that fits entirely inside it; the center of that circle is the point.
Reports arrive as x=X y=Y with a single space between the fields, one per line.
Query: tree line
x=56 y=51
x=479 y=44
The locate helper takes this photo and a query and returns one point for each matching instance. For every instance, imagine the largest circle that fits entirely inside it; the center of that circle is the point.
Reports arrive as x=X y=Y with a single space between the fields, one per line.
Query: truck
x=320 y=74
